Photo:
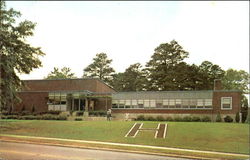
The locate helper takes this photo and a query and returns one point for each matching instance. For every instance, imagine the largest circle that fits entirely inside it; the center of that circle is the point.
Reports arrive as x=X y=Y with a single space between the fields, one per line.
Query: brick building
x=65 y=95
x=178 y=103
x=93 y=94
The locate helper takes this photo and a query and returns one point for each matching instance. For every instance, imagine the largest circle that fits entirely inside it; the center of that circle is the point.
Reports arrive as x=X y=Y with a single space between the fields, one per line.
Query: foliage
x=236 y=80
x=161 y=69
x=187 y=119
x=79 y=113
x=169 y=119
x=64 y=73
x=17 y=56
x=150 y=118
x=209 y=72
x=196 y=119
x=78 y=119
x=100 y=68
x=218 y=117
x=133 y=79
x=228 y=119
x=237 y=117
x=178 y=119
x=160 y=118
x=100 y=113
x=206 y=119
x=140 y=118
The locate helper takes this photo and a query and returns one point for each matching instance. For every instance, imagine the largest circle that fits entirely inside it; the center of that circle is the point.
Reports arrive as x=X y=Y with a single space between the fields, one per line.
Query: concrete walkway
x=127 y=145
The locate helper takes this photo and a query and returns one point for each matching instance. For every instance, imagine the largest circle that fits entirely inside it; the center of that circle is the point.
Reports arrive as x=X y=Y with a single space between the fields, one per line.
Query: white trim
x=231 y=103
x=138 y=130
x=165 y=130
x=157 y=130
x=130 y=129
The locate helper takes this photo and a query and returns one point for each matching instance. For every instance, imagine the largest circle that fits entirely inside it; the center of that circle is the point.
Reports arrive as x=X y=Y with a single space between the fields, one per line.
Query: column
x=73 y=104
x=79 y=105
x=86 y=105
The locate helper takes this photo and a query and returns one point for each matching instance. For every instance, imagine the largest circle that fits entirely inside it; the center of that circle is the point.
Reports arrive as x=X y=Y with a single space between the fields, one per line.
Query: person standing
x=109 y=115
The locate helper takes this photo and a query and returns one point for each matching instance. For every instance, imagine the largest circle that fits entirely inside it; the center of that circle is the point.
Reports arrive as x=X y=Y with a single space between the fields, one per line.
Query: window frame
x=231 y=103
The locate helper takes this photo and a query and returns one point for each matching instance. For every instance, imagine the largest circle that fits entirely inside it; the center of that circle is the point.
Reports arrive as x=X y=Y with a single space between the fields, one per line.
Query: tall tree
x=133 y=79
x=65 y=73
x=209 y=73
x=161 y=68
x=100 y=68
x=234 y=79
x=16 y=56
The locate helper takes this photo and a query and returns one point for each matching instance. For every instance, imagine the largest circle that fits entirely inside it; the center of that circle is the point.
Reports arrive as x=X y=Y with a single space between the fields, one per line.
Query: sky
x=72 y=33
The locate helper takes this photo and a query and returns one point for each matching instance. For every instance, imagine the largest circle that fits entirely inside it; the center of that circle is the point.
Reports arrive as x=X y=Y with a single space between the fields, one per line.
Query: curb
x=30 y=138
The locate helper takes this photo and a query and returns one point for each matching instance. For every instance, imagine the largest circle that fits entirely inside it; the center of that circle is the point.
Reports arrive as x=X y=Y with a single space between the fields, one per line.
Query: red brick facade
x=36 y=92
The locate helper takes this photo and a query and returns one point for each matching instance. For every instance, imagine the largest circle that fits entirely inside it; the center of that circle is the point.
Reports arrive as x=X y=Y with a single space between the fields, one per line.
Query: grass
x=224 y=137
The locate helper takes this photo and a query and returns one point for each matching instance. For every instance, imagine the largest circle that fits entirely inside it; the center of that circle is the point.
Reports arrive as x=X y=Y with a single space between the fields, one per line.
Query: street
x=23 y=151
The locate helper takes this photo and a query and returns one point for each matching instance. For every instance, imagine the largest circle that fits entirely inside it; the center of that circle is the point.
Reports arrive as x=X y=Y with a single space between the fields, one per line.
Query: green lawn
x=225 y=137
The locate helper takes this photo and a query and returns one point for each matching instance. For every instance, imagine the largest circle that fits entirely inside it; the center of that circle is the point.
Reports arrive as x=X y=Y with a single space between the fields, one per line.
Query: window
x=134 y=103
x=140 y=103
x=146 y=103
x=115 y=104
x=127 y=103
x=165 y=103
x=226 y=103
x=171 y=103
x=178 y=103
x=152 y=103
x=208 y=103
x=200 y=103
x=121 y=103
x=185 y=103
x=192 y=103
x=158 y=103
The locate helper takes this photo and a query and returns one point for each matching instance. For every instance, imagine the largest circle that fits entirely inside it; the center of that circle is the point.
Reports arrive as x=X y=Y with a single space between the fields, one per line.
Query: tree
x=133 y=79
x=161 y=68
x=16 y=56
x=234 y=79
x=238 y=80
x=209 y=72
x=100 y=68
x=65 y=73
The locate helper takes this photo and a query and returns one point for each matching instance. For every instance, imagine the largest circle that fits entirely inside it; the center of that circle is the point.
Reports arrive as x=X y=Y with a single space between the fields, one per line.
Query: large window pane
x=226 y=102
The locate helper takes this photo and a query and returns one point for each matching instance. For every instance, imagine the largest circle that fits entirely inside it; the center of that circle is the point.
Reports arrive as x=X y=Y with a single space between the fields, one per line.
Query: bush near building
x=218 y=118
x=228 y=119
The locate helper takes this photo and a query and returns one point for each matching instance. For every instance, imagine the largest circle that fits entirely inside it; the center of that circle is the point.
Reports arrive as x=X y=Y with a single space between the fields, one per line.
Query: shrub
x=29 y=117
x=196 y=119
x=78 y=119
x=48 y=117
x=61 y=117
x=237 y=117
x=228 y=119
x=5 y=113
x=150 y=118
x=159 y=118
x=98 y=113
x=187 y=119
x=169 y=119
x=79 y=113
x=140 y=118
x=206 y=119
x=218 y=118
x=11 y=117
x=24 y=113
x=177 y=119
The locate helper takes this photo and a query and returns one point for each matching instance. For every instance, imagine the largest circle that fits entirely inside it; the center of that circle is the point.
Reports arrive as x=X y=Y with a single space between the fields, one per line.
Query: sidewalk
x=175 y=152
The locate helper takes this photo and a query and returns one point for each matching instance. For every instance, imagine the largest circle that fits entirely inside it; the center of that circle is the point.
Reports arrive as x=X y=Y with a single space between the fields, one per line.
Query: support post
x=86 y=112
x=79 y=105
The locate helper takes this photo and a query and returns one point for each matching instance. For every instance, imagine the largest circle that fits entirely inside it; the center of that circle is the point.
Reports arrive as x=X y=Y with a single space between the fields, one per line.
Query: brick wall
x=29 y=99
x=236 y=101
